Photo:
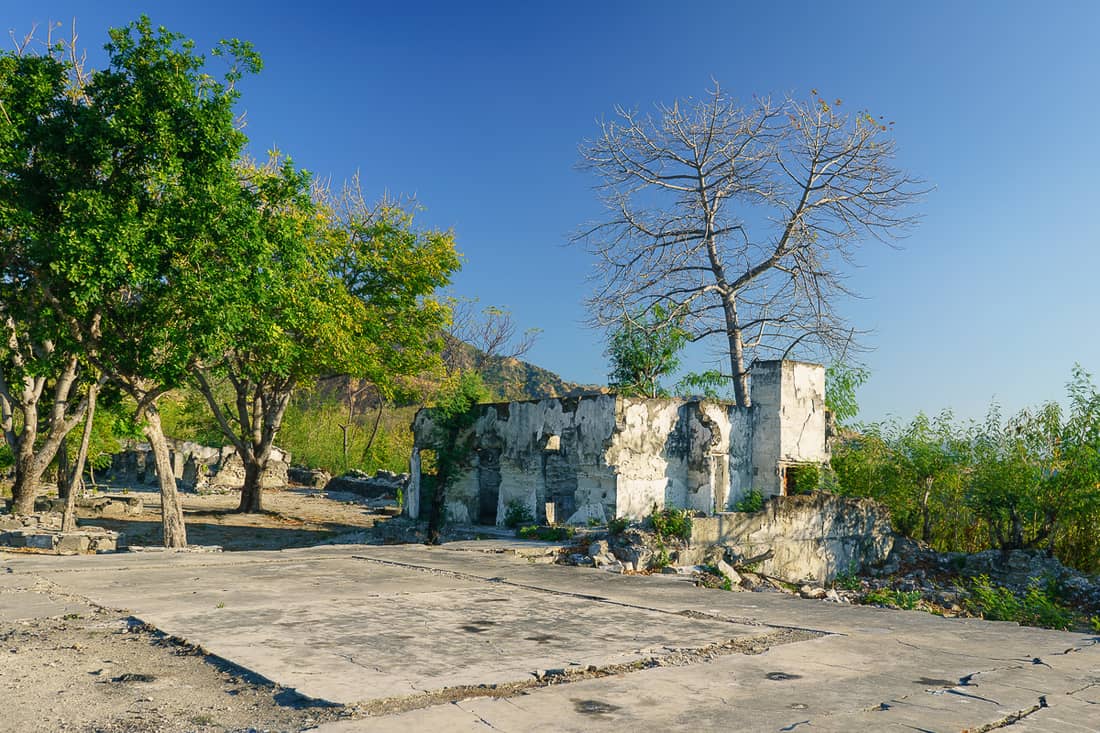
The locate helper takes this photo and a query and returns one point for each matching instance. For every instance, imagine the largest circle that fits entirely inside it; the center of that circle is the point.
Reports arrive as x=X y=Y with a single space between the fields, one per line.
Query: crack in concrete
x=1013 y=718
x=680 y=658
x=581 y=596
x=458 y=704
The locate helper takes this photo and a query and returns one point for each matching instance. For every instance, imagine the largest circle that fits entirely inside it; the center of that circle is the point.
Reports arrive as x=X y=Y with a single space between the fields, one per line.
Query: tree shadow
x=230 y=537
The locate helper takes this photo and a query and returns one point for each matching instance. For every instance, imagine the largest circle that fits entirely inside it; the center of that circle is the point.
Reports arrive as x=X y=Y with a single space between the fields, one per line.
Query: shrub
x=750 y=502
x=848 y=579
x=517 y=515
x=671 y=523
x=618 y=525
x=546 y=534
x=905 y=600
x=1040 y=605
x=804 y=479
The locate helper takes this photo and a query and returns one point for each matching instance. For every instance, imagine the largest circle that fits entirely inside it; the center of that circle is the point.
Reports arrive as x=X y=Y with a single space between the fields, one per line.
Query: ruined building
x=602 y=456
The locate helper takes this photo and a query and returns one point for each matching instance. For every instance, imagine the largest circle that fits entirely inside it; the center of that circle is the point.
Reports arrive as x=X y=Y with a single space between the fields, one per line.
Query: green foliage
x=546 y=534
x=643 y=350
x=185 y=415
x=453 y=418
x=1039 y=606
x=617 y=525
x=671 y=523
x=804 y=480
x=841 y=382
x=660 y=558
x=724 y=581
x=7 y=458
x=905 y=600
x=516 y=514
x=710 y=384
x=1031 y=480
x=750 y=502
x=311 y=432
x=848 y=579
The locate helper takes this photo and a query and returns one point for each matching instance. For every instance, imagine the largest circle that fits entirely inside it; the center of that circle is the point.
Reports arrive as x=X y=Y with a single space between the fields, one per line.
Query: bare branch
x=740 y=219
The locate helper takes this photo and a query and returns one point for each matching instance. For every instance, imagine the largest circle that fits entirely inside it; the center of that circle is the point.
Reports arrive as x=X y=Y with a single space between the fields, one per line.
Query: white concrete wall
x=618 y=456
x=788 y=400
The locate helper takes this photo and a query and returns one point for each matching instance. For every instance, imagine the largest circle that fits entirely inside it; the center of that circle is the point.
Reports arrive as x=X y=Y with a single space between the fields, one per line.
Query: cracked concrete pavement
x=385 y=629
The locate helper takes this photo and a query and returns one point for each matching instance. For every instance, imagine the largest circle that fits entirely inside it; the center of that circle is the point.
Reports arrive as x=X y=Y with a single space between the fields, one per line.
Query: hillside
x=508 y=378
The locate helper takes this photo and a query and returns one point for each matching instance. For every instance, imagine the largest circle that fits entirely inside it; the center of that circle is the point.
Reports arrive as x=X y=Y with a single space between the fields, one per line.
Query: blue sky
x=478 y=108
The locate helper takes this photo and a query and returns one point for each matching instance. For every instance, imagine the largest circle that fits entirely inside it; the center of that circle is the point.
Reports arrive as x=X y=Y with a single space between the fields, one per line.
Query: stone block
x=72 y=543
x=43 y=541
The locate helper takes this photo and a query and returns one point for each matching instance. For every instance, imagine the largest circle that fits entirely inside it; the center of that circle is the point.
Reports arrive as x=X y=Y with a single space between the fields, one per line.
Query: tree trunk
x=737 y=355
x=252 y=491
x=926 y=514
x=63 y=471
x=68 y=519
x=27 y=480
x=435 y=515
x=171 y=510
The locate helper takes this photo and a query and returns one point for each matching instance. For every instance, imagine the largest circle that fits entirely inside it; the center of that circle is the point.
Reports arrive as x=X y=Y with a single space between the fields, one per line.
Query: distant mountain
x=506 y=378
x=509 y=379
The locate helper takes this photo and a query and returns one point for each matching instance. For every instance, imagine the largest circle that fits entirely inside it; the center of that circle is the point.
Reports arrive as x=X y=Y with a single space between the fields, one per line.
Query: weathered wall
x=196 y=466
x=802 y=537
x=603 y=456
x=788 y=400
x=531 y=452
x=693 y=455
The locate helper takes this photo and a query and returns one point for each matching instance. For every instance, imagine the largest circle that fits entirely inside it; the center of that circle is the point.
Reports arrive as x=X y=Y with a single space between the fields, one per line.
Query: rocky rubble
x=41 y=532
x=911 y=576
x=315 y=477
x=382 y=484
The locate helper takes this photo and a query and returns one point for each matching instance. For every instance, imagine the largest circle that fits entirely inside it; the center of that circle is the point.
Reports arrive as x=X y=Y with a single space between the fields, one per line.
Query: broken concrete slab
x=366 y=623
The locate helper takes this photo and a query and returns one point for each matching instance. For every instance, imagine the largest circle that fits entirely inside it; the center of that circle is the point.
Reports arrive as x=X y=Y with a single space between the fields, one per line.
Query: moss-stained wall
x=601 y=456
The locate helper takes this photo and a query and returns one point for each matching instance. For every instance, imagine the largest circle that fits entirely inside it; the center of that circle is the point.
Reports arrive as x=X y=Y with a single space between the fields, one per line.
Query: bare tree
x=741 y=218
x=491 y=331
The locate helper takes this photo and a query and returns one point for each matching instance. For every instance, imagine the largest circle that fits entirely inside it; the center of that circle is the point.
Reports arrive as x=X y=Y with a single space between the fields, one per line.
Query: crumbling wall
x=532 y=453
x=693 y=455
x=800 y=538
x=601 y=456
x=195 y=466
x=788 y=402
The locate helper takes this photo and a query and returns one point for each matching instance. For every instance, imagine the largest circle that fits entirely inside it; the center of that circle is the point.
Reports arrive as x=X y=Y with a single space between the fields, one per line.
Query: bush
x=804 y=479
x=849 y=579
x=905 y=600
x=671 y=523
x=750 y=502
x=517 y=515
x=546 y=534
x=1039 y=606
x=618 y=525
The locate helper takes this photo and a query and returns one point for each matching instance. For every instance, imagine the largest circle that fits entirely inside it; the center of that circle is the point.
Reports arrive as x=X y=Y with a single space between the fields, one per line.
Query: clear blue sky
x=477 y=109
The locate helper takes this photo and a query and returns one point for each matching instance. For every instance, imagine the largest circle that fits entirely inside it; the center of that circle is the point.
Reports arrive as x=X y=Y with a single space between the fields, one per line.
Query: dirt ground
x=293 y=517
x=99 y=671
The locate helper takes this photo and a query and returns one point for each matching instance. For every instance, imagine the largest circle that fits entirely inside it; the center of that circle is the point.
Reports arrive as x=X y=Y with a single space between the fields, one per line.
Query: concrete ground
x=460 y=639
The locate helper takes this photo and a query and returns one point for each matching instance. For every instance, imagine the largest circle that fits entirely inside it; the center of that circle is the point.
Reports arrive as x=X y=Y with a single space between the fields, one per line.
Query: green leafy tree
x=333 y=289
x=44 y=382
x=645 y=350
x=134 y=258
x=915 y=468
x=841 y=382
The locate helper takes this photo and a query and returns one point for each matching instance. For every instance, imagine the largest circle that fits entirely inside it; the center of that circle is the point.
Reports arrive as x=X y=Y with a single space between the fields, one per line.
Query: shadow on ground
x=204 y=528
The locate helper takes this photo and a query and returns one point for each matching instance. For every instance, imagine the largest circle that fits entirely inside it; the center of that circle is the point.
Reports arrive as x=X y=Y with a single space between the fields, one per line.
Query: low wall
x=196 y=466
x=800 y=538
